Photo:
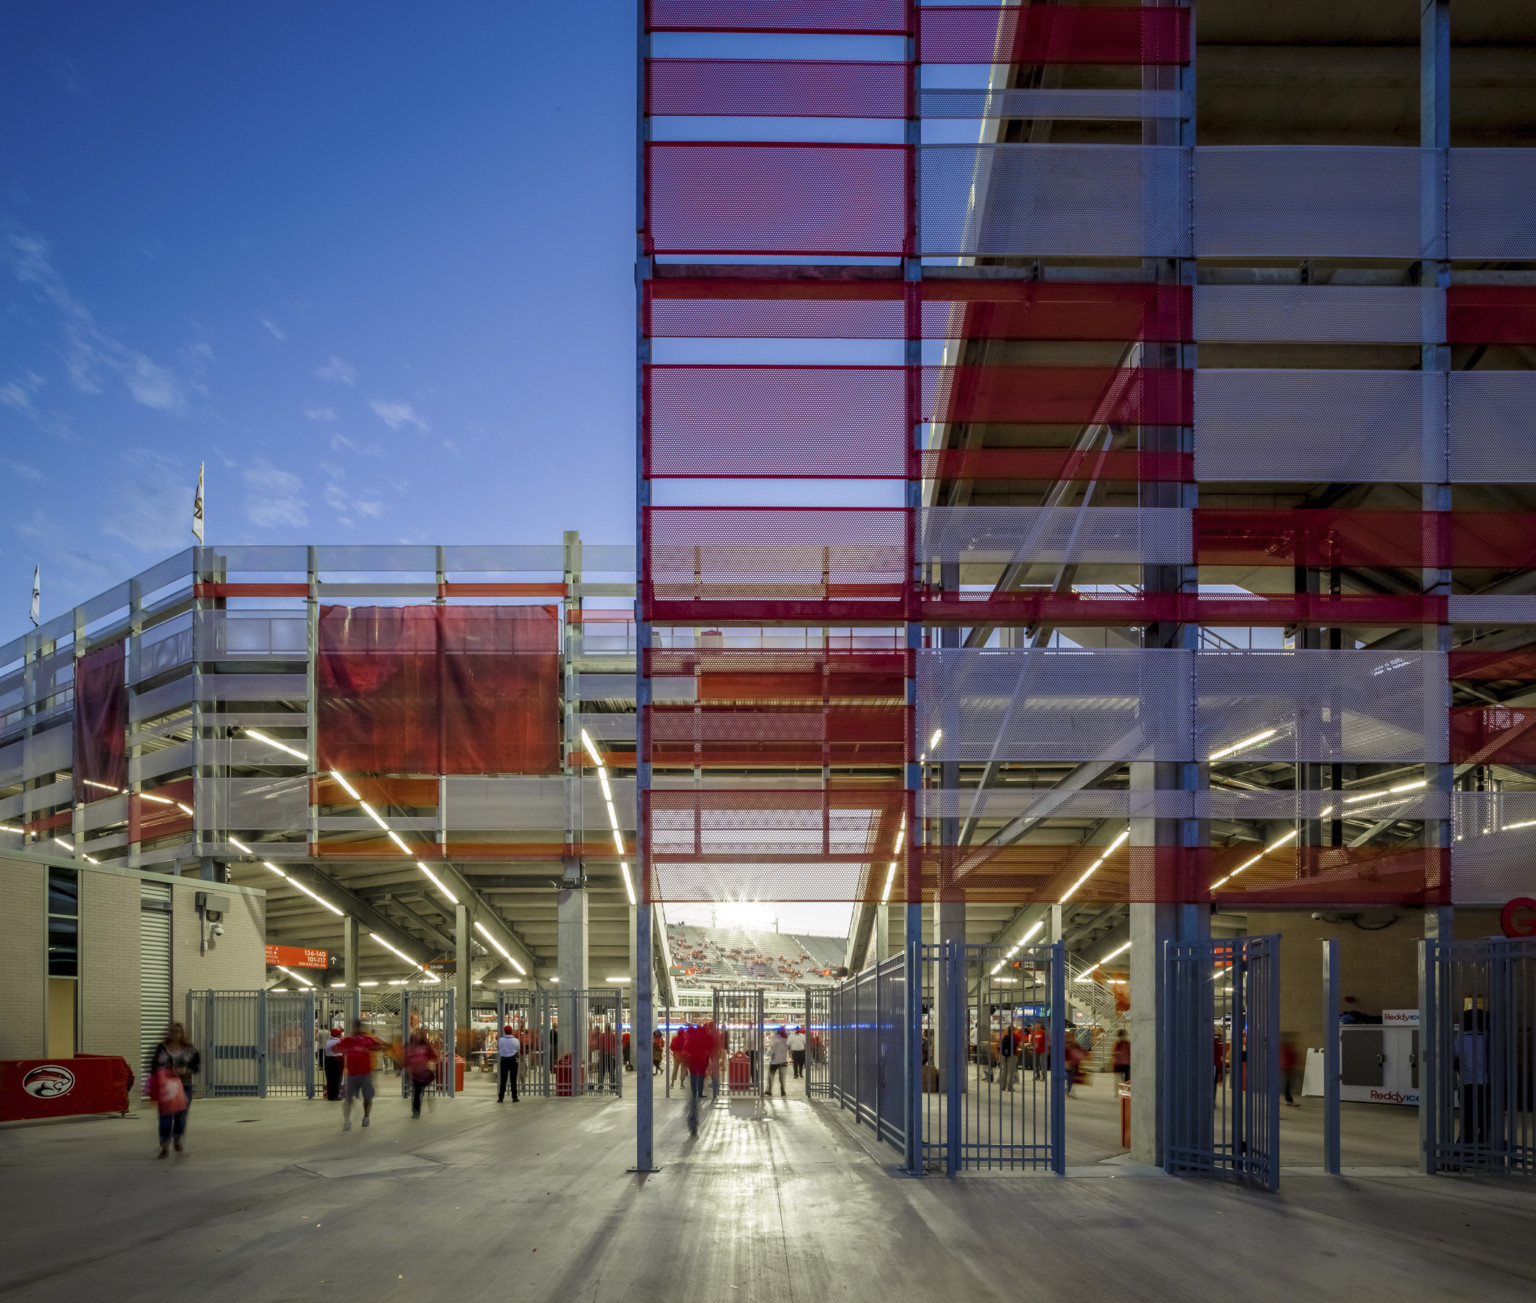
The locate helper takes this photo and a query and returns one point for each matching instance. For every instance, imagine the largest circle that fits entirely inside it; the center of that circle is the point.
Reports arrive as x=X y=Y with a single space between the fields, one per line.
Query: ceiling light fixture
x=273 y=742
x=1246 y=742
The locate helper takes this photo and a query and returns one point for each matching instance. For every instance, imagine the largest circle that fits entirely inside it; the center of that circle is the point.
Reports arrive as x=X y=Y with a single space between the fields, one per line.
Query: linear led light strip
x=294 y=975
x=1390 y=791
x=1018 y=946
x=1093 y=868
x=613 y=817
x=486 y=933
x=1243 y=745
x=430 y=974
x=70 y=848
x=1248 y=864
x=1113 y=954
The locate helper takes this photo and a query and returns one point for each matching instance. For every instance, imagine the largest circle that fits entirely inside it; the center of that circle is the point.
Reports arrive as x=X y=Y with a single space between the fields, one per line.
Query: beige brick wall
x=23 y=959
x=1379 y=968
x=109 y=965
x=235 y=961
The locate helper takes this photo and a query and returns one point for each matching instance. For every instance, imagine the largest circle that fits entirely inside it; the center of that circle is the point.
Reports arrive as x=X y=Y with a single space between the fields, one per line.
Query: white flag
x=197 y=506
x=37 y=594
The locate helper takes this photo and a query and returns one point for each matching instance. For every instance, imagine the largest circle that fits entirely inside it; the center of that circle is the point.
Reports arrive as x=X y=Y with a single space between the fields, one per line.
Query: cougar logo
x=48 y=1082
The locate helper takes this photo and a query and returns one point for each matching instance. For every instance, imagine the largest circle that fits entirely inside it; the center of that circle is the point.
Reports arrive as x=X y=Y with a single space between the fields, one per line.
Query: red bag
x=170 y=1094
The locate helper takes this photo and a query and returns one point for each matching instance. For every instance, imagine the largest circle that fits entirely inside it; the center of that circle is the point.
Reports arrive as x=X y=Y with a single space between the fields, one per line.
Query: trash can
x=458 y=1074
x=568 y=1077
x=741 y=1071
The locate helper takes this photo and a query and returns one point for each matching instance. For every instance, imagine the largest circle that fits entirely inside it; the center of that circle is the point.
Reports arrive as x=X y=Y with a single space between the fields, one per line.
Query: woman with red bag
x=169 y=1083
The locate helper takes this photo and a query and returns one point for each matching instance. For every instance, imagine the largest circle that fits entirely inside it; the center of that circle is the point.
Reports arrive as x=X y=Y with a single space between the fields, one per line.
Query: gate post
x=1331 y=1057
x=913 y=1111
x=955 y=1040
x=261 y=1044
x=1429 y=1056
x=309 y=1058
x=1057 y=1083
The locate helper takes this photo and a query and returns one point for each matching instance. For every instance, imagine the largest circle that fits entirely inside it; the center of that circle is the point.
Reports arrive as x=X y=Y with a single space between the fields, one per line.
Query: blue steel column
x=912 y=938
x=1331 y=1056
x=644 y=1013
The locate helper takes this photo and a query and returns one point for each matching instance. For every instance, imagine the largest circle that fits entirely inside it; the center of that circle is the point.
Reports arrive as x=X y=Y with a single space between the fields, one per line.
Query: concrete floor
x=272 y=1201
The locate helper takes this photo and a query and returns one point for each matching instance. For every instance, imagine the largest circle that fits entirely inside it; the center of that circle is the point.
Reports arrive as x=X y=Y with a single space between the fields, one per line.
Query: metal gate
x=1478 y=1076
x=866 y=1055
x=1221 y=1090
x=429 y=1013
x=994 y=1058
x=254 y=1044
x=529 y=1016
x=739 y=1026
x=818 y=1028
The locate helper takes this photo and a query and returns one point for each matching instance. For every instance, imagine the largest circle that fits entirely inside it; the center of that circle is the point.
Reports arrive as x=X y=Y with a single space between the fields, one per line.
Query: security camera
x=217 y=929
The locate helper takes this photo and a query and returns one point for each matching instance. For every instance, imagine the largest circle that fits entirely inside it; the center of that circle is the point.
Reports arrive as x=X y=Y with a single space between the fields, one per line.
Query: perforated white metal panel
x=1324 y=705
x=1490 y=427
x=1493 y=203
x=1495 y=609
x=1307 y=201
x=1351 y=426
x=1056 y=535
x=253 y=804
x=1053 y=199
x=1381 y=314
x=1052 y=704
x=1493 y=847
x=1002 y=803
x=945 y=102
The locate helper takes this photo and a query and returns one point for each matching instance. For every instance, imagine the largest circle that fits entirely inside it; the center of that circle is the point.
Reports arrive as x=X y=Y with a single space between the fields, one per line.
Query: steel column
x=1331 y=1056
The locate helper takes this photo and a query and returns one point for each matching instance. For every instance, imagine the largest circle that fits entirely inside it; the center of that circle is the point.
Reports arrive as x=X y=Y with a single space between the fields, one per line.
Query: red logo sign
x=297 y=957
x=49 y=1081
x=1518 y=918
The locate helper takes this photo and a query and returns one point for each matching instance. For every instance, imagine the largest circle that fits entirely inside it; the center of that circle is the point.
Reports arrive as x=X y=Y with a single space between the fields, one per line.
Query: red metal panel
x=1040 y=33
x=1489 y=735
x=1059 y=395
x=101 y=723
x=856 y=17
x=766 y=198
x=1514 y=665
x=1490 y=314
x=158 y=812
x=1324 y=537
x=1493 y=540
x=770 y=88
x=1065 y=310
x=1090 y=611
x=250 y=590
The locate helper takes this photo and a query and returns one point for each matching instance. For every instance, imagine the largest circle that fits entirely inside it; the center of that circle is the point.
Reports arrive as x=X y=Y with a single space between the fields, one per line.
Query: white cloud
x=90 y=350
x=343 y=373
x=345 y=504
x=22 y=471
x=320 y=412
x=151 y=504
x=396 y=415
x=274 y=498
x=273 y=329
x=340 y=443
x=17 y=394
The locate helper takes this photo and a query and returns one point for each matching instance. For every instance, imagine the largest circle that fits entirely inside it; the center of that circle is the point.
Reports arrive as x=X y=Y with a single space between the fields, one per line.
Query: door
x=1221 y=1087
x=154 y=972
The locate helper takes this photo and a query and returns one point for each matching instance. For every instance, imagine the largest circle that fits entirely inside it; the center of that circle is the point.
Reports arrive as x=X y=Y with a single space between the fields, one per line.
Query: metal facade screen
x=936 y=496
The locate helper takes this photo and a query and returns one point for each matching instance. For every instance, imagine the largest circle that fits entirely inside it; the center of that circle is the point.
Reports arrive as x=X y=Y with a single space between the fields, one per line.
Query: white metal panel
x=1056 y=535
x=1494 y=609
x=1306 y=425
x=1377 y=314
x=1493 y=204
x=1307 y=201
x=253 y=804
x=1493 y=847
x=1490 y=427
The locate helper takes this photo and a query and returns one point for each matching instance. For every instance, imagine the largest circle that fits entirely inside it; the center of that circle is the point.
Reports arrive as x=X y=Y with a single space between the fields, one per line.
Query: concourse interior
x=271 y=1200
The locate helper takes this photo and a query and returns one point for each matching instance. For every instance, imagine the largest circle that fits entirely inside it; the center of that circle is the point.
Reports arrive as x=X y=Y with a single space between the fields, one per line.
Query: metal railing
x=254 y=1044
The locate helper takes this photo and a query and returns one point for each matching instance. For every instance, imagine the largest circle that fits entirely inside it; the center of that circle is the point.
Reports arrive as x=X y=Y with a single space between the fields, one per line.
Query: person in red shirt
x=700 y=1047
x=357 y=1057
x=1040 y=1045
x=1120 y=1056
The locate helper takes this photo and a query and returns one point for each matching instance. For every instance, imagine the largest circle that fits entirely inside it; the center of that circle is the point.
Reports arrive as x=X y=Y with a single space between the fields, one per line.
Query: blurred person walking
x=658 y=1051
x=357 y=1052
x=508 y=1048
x=1290 y=1066
x=797 y=1051
x=698 y=1055
x=1008 y=1056
x=1040 y=1047
x=331 y=1059
x=778 y=1060
x=420 y=1066
x=1120 y=1056
x=169 y=1083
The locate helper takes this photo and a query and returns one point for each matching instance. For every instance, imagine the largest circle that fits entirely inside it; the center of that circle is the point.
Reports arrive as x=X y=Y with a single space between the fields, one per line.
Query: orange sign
x=297 y=957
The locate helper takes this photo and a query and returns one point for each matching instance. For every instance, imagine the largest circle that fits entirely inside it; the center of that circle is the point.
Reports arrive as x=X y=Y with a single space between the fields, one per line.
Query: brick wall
x=236 y=961
x=23 y=959
x=109 y=965
x=1379 y=968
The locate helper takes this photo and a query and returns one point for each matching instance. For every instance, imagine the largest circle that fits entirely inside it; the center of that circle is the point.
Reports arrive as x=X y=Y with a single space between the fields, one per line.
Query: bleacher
x=704 y=957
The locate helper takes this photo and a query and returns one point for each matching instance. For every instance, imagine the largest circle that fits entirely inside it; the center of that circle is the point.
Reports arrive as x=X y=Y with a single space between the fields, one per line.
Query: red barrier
x=70 y=1087
x=1490 y=314
x=1036 y=33
x=775 y=88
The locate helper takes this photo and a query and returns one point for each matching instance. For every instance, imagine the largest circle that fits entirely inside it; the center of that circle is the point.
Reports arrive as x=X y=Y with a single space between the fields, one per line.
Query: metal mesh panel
x=994 y=804
x=1093 y=200
x=1055 y=536
x=266 y=560
x=1491 y=314
x=1493 y=848
x=1490 y=427
x=1324 y=705
x=1237 y=804
x=769 y=198
x=1022 y=103
x=1384 y=314
x=506 y=559
x=375 y=559
x=1041 y=704
x=607 y=558
x=851 y=16
x=1352 y=426
x=1307 y=202
x=1035 y=33
x=514 y=802
x=775 y=88
x=253 y=804
x=1497 y=609
x=243 y=635
x=1493 y=204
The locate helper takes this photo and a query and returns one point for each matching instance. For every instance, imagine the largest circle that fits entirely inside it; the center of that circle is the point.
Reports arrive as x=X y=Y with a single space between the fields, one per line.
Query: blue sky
x=372 y=263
